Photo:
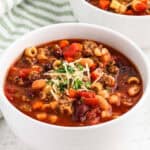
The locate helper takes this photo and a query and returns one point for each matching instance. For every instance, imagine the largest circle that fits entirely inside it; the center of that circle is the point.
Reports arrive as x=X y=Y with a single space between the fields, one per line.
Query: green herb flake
x=77 y=84
x=61 y=69
x=70 y=69
x=80 y=67
x=88 y=85
x=62 y=86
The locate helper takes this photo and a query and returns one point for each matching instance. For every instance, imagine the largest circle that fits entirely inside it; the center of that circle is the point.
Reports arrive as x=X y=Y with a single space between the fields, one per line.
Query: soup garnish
x=73 y=83
x=127 y=7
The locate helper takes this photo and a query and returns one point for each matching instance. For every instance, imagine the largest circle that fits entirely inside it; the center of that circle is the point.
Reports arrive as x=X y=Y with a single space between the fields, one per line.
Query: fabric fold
x=7 y=5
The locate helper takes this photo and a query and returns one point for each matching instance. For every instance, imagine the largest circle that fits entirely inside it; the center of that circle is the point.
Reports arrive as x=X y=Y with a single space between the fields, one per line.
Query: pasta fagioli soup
x=126 y=7
x=73 y=82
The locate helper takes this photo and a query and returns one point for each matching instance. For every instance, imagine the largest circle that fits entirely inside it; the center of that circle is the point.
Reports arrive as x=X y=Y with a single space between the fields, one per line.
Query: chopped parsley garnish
x=80 y=67
x=62 y=86
x=77 y=84
x=70 y=69
x=88 y=84
x=61 y=69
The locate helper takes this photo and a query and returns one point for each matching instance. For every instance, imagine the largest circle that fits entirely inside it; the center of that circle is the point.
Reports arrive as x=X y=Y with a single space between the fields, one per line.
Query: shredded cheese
x=78 y=74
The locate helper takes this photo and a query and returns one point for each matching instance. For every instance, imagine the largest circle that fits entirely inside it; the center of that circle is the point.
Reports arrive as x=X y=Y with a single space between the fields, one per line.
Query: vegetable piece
x=91 y=101
x=72 y=93
x=63 y=86
x=94 y=75
x=86 y=94
x=24 y=72
x=139 y=5
x=104 y=4
x=77 y=84
x=37 y=105
x=72 y=50
x=38 y=84
x=63 y=43
x=62 y=69
x=80 y=67
x=53 y=118
x=88 y=85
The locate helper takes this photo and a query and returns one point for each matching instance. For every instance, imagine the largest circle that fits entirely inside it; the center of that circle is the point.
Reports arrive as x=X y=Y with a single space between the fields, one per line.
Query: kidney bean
x=80 y=112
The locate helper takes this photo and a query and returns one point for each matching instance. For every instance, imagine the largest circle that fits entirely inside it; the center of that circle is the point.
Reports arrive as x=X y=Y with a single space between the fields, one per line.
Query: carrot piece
x=91 y=101
x=37 y=105
x=63 y=43
x=104 y=4
x=72 y=93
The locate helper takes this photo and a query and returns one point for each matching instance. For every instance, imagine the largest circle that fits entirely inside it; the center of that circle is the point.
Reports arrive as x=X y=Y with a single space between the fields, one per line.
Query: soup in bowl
x=73 y=83
x=79 y=88
x=127 y=7
x=119 y=15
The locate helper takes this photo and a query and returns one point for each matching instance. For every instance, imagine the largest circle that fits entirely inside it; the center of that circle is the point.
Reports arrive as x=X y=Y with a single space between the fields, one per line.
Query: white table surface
x=8 y=141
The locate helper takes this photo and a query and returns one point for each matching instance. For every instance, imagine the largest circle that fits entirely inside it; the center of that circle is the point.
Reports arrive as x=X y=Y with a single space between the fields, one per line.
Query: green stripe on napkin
x=32 y=14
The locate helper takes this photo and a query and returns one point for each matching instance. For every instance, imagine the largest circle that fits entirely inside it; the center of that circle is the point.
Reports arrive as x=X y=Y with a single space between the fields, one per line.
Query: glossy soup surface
x=127 y=7
x=73 y=83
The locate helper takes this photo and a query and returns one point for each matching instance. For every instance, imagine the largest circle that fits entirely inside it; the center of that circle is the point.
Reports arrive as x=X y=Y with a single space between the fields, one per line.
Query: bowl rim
x=91 y=26
x=115 y=14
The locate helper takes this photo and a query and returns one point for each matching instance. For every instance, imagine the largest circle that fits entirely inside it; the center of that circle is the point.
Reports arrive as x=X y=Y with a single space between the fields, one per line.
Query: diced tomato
x=69 y=59
x=93 y=67
x=72 y=50
x=104 y=4
x=140 y=5
x=129 y=12
x=91 y=101
x=24 y=72
x=86 y=94
x=72 y=93
x=63 y=43
x=94 y=75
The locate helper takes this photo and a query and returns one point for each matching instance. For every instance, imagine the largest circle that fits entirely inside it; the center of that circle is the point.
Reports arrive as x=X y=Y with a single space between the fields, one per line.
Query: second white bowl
x=136 y=28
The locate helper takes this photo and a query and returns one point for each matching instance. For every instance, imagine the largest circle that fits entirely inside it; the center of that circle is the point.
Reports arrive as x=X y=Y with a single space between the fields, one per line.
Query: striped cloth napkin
x=29 y=15
x=6 y=5
x=18 y=17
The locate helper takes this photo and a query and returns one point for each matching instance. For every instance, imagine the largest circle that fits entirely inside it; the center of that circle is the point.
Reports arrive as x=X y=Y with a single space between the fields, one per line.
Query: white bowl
x=135 y=27
x=111 y=135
